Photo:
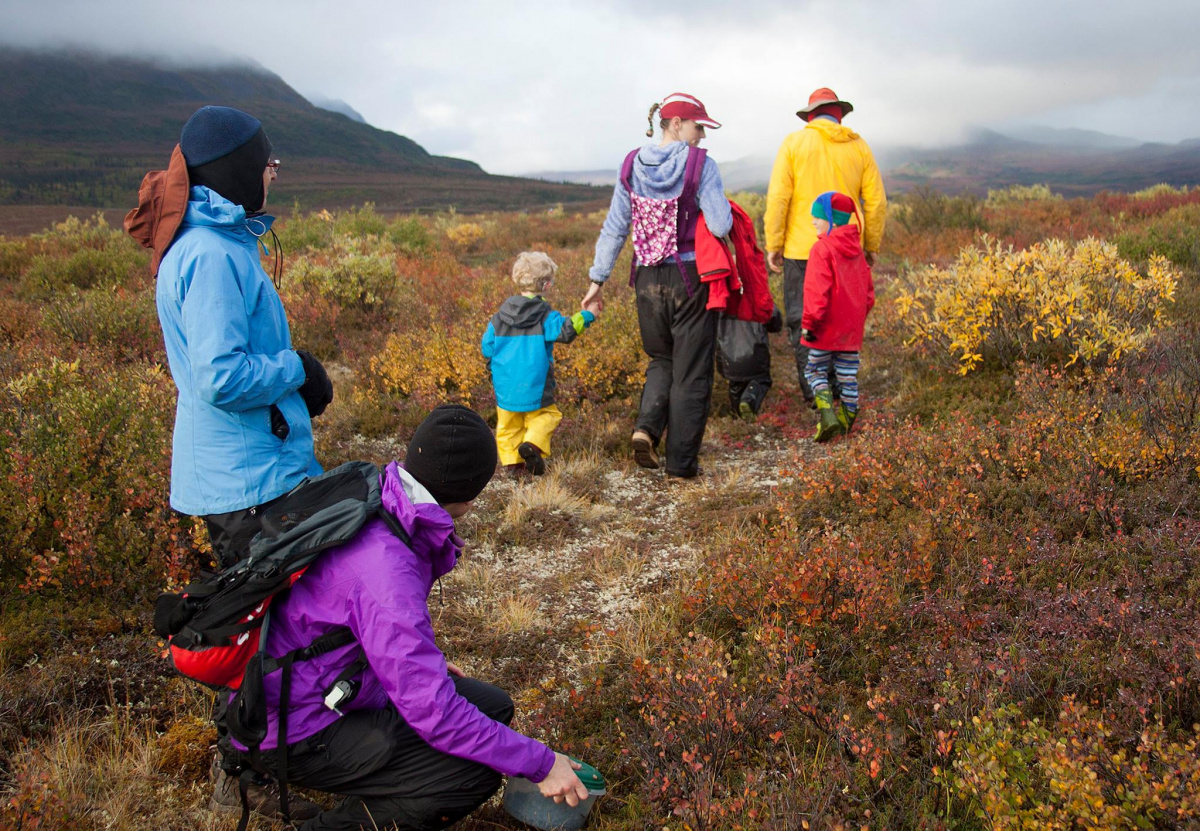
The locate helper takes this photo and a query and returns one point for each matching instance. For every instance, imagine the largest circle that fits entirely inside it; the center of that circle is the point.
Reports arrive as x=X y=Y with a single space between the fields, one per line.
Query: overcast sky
x=528 y=86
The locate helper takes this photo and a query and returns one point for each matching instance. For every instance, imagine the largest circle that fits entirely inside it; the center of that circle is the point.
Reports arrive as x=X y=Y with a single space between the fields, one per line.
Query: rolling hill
x=82 y=129
x=1072 y=162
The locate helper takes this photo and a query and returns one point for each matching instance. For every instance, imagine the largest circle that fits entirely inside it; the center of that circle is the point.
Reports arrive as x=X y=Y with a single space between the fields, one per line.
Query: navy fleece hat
x=453 y=454
x=213 y=132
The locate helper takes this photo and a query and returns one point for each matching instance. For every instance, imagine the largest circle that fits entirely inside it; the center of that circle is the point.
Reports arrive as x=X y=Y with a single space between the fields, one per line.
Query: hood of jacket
x=208 y=209
x=162 y=201
x=831 y=130
x=522 y=312
x=660 y=169
x=846 y=241
x=427 y=524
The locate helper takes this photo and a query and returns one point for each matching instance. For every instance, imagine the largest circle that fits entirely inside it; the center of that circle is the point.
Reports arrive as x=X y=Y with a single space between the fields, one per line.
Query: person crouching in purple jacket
x=419 y=745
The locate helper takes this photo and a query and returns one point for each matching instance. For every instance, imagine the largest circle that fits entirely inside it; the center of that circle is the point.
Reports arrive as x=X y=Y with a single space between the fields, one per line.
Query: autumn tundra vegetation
x=979 y=610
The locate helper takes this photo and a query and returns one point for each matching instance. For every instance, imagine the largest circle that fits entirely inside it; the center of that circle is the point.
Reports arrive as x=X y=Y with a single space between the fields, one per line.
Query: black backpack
x=216 y=627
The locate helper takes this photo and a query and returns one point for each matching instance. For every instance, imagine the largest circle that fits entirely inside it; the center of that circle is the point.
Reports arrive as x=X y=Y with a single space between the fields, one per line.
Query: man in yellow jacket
x=824 y=156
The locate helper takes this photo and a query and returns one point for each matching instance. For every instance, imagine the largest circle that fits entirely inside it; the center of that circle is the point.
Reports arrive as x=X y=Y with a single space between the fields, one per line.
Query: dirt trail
x=596 y=542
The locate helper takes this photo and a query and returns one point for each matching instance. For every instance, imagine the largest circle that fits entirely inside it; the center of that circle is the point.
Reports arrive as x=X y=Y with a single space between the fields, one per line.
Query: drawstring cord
x=277 y=266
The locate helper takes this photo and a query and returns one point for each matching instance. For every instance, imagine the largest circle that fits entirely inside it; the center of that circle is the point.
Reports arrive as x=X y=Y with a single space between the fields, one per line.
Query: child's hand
x=594 y=307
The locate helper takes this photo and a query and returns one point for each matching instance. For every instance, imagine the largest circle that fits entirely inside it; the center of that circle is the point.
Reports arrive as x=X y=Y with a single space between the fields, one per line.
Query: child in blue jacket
x=519 y=346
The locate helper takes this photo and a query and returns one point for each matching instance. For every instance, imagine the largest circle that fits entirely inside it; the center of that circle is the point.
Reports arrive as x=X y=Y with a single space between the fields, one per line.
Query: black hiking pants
x=679 y=334
x=793 y=303
x=230 y=533
x=390 y=777
x=753 y=392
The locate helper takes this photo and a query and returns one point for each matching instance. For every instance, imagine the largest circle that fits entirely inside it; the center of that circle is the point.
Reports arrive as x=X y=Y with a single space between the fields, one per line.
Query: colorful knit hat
x=835 y=208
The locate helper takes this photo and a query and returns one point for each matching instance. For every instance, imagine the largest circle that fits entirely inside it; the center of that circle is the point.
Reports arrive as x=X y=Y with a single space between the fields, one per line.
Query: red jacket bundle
x=744 y=294
x=838 y=291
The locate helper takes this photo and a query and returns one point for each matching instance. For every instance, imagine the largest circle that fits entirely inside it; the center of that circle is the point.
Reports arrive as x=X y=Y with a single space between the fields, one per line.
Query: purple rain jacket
x=379 y=588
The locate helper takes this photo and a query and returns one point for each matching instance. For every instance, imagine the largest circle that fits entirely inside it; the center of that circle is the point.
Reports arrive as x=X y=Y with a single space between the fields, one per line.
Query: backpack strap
x=688 y=213
x=626 y=176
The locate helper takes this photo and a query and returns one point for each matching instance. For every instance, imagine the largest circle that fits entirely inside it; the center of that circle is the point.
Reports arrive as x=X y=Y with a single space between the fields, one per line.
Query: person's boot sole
x=643 y=453
x=534 y=462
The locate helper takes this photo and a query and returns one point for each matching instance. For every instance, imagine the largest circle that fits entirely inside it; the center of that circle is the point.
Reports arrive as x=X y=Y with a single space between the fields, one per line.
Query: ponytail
x=650 y=119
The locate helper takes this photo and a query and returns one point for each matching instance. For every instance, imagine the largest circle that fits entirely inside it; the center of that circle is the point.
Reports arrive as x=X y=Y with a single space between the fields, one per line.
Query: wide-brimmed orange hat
x=820 y=98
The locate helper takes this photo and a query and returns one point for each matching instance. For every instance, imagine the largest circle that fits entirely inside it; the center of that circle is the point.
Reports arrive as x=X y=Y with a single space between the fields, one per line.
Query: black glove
x=279 y=426
x=775 y=324
x=317 y=389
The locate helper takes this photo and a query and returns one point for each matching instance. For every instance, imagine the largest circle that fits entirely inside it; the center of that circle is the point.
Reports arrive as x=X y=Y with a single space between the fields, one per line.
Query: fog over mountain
x=565 y=85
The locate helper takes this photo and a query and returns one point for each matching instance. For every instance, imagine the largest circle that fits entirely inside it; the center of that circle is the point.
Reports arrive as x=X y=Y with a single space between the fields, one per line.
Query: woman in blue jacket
x=243 y=435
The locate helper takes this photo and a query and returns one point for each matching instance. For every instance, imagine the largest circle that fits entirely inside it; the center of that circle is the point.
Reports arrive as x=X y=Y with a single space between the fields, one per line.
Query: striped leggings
x=845 y=364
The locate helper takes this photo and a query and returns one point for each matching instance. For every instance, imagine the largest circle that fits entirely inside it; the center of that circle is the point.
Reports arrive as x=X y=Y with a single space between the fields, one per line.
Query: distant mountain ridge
x=1071 y=161
x=81 y=128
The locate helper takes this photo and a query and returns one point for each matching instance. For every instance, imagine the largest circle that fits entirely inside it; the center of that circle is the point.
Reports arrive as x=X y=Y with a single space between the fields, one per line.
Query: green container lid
x=591 y=778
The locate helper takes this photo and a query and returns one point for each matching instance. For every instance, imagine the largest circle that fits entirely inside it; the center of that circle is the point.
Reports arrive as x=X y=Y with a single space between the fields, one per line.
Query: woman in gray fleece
x=661 y=191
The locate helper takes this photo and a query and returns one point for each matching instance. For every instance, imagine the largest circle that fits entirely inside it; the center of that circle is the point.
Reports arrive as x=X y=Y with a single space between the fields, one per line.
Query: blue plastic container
x=523 y=801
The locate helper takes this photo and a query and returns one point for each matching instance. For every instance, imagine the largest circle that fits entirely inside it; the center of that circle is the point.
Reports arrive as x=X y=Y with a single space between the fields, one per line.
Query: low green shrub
x=352 y=271
x=82 y=254
x=84 y=473
x=117 y=321
x=1173 y=235
x=926 y=209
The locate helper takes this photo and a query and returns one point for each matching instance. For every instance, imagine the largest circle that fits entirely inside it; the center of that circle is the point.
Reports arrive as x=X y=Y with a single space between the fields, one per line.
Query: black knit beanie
x=227 y=150
x=453 y=454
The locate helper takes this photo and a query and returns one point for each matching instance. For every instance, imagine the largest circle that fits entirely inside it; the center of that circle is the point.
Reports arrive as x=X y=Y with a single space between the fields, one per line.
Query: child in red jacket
x=838 y=294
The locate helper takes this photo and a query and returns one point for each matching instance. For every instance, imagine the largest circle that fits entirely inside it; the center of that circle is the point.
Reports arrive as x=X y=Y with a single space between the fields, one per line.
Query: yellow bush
x=1019 y=773
x=465 y=235
x=605 y=361
x=1161 y=189
x=1079 y=303
x=431 y=365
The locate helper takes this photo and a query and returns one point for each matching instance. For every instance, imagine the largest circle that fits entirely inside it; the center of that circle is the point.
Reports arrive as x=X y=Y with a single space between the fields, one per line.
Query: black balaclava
x=238 y=176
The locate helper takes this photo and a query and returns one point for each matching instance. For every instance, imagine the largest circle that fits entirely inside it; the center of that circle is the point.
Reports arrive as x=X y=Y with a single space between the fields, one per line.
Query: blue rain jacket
x=230 y=353
x=519 y=346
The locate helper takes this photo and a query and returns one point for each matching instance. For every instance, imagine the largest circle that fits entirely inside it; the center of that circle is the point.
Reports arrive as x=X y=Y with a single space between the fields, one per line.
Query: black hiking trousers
x=793 y=303
x=679 y=334
x=390 y=776
x=230 y=533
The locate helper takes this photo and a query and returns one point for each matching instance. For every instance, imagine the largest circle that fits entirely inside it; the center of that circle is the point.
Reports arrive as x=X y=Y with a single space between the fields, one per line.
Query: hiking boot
x=846 y=417
x=532 y=457
x=829 y=426
x=746 y=412
x=643 y=450
x=679 y=479
x=263 y=797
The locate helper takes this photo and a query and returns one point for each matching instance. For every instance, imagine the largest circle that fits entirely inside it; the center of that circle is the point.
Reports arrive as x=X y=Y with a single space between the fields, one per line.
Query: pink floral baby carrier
x=664 y=228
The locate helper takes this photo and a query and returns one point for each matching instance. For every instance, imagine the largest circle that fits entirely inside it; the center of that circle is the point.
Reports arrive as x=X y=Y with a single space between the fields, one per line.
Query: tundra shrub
x=84 y=473
x=432 y=365
x=1019 y=193
x=1172 y=235
x=1066 y=303
x=1016 y=772
x=83 y=254
x=121 y=323
x=352 y=271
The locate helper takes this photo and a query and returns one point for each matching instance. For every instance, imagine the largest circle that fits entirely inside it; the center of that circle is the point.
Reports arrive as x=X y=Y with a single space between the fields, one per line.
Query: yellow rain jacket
x=823 y=156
